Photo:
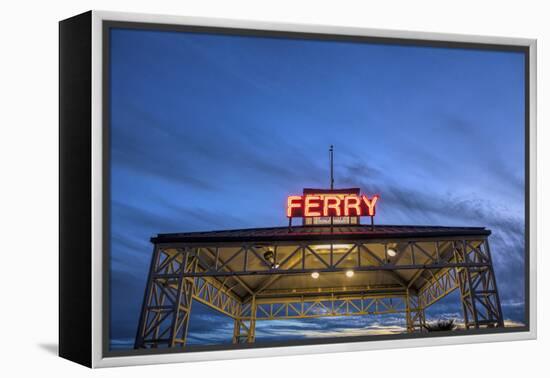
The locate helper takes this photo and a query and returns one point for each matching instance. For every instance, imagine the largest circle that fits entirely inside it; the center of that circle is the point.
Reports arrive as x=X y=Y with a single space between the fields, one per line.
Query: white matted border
x=97 y=187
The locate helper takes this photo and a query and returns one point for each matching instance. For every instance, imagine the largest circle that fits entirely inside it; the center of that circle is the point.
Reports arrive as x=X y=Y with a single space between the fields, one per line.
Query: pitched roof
x=314 y=233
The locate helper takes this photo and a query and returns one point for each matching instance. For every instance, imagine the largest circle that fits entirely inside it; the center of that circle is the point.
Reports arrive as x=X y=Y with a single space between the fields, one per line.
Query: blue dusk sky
x=213 y=132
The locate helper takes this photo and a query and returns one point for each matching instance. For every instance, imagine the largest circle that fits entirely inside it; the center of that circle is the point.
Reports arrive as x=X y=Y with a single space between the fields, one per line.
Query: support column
x=408 y=317
x=180 y=321
x=464 y=284
x=167 y=304
x=488 y=292
x=244 y=329
x=147 y=298
x=478 y=291
x=415 y=317
x=184 y=299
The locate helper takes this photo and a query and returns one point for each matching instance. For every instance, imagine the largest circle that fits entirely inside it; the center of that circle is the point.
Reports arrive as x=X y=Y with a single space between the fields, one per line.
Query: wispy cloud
x=346 y=332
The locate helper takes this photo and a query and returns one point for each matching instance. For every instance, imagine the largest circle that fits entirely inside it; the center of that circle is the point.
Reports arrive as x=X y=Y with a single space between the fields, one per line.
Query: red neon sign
x=331 y=205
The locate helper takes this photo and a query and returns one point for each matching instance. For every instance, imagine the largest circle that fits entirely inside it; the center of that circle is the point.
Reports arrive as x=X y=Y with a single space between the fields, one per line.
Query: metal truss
x=305 y=259
x=182 y=274
x=477 y=284
x=214 y=294
x=302 y=308
x=476 y=281
x=169 y=295
x=438 y=286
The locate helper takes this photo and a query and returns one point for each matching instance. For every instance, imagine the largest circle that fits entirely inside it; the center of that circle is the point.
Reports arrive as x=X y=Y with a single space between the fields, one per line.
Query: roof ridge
x=318 y=229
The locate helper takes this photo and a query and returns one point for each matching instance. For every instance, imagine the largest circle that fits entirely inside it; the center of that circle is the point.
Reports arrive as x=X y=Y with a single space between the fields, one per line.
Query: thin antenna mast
x=331 y=154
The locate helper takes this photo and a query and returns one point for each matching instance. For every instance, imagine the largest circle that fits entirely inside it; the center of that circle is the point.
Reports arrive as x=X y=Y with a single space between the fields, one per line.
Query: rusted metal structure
x=315 y=271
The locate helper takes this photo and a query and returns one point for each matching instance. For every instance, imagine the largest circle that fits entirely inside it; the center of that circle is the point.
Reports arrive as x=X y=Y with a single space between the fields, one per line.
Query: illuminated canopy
x=313 y=271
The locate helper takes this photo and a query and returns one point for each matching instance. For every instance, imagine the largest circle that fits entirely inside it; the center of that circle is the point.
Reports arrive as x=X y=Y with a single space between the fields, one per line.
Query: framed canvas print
x=232 y=189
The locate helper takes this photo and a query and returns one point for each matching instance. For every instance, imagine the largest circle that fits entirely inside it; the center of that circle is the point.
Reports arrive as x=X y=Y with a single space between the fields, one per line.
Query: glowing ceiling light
x=269 y=256
x=392 y=252
x=315 y=275
x=349 y=273
x=335 y=247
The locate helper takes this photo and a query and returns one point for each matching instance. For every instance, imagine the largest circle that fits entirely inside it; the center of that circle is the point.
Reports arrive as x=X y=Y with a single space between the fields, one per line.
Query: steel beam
x=328 y=306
